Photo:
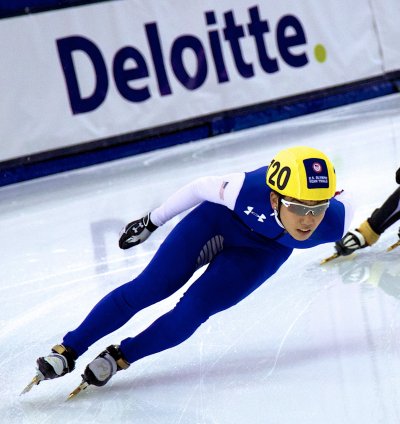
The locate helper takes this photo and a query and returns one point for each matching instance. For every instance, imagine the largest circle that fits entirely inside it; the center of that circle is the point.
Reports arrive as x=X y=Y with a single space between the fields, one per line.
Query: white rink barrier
x=94 y=72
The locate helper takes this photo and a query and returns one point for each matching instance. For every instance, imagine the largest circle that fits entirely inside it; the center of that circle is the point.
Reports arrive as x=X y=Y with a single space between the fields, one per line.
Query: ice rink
x=315 y=344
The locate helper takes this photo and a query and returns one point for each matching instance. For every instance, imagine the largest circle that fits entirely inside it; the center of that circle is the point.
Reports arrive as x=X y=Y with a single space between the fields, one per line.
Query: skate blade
x=393 y=246
x=35 y=381
x=331 y=258
x=81 y=387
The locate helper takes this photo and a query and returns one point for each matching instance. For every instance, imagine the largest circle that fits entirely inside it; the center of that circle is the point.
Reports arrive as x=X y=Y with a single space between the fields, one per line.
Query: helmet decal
x=279 y=175
x=317 y=167
x=316 y=173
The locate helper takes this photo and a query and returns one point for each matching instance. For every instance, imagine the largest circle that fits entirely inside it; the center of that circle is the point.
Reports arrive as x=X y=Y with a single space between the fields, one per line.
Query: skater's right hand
x=350 y=242
x=136 y=232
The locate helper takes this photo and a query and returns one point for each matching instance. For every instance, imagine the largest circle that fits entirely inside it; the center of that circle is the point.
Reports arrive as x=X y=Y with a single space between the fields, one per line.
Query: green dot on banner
x=320 y=53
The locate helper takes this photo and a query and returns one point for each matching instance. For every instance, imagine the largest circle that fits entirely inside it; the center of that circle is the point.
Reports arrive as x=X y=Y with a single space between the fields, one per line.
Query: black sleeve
x=383 y=217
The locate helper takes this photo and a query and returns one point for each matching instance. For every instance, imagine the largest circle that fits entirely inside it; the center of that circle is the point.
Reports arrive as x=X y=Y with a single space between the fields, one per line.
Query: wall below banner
x=80 y=156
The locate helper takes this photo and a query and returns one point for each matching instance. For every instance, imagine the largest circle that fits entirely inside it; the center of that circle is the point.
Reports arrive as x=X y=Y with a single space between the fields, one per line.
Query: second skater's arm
x=356 y=239
x=370 y=230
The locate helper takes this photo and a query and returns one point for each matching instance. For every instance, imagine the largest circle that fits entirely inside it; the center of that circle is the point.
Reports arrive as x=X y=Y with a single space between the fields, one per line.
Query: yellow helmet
x=303 y=173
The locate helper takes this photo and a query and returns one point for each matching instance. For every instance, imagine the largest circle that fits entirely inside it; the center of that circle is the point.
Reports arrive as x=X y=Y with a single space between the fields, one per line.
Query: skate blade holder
x=393 y=246
x=84 y=385
x=35 y=381
x=330 y=258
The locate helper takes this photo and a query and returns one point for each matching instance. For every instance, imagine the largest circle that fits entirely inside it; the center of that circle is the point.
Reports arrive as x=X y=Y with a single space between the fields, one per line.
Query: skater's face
x=299 y=226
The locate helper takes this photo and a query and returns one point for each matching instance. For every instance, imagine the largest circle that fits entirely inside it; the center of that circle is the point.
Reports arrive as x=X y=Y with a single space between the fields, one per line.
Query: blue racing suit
x=242 y=247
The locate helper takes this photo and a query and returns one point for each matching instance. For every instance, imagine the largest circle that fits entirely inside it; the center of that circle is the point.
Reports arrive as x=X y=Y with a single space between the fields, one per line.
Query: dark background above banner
x=22 y=7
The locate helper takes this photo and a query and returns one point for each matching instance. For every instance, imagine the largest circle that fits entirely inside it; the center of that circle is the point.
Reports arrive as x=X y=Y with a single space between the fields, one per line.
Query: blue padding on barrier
x=287 y=110
x=29 y=171
x=22 y=5
x=9 y=8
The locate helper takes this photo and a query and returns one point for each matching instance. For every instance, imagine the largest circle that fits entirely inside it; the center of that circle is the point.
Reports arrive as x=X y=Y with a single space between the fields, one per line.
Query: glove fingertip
x=127 y=245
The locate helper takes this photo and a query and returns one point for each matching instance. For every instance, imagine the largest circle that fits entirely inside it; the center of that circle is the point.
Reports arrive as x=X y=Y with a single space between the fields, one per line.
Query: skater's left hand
x=136 y=232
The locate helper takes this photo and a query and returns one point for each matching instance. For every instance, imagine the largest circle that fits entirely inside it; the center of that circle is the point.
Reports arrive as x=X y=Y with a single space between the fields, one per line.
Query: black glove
x=398 y=176
x=136 y=232
x=350 y=242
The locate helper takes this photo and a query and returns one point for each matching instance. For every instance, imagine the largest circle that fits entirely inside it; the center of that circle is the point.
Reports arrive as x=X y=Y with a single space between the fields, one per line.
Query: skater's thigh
x=229 y=278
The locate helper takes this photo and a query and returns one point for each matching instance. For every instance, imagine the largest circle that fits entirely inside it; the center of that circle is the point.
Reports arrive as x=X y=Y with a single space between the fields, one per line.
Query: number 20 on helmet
x=303 y=173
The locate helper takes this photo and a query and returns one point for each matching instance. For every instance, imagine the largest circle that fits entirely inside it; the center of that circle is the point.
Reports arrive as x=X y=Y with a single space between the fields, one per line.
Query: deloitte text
x=131 y=69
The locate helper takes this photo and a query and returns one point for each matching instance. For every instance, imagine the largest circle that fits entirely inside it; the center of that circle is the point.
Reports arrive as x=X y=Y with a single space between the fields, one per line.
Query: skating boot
x=102 y=368
x=59 y=362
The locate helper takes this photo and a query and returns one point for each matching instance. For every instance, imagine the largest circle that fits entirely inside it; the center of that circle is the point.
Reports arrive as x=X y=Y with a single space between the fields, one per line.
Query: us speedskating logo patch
x=316 y=173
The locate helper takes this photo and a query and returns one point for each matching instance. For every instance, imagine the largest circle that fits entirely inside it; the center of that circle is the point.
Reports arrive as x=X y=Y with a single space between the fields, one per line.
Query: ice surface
x=315 y=344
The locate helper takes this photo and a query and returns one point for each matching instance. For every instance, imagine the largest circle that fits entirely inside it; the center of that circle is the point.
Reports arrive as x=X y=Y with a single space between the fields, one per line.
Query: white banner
x=386 y=16
x=97 y=71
